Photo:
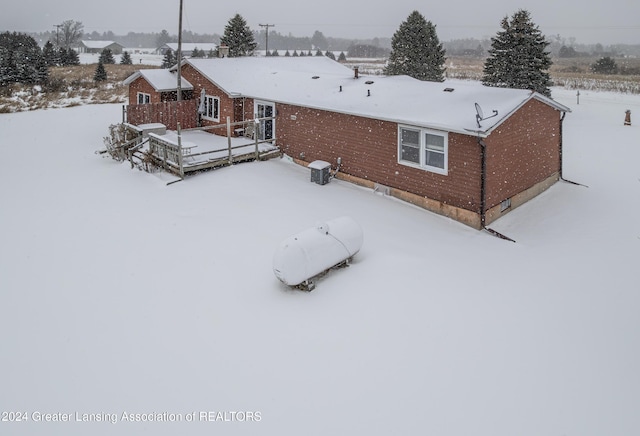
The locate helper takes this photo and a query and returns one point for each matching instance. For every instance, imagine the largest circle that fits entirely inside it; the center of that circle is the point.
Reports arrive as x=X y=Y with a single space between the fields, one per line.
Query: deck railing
x=171 y=154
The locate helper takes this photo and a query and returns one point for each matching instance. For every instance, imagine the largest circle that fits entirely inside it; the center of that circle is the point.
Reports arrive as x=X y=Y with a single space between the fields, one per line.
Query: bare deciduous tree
x=70 y=33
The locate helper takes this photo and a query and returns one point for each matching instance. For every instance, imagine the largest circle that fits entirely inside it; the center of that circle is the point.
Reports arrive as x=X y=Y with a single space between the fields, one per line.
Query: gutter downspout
x=483 y=181
x=564 y=114
x=483 y=193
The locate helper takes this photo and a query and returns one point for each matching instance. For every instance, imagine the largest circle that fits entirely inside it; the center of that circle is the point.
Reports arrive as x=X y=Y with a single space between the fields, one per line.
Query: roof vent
x=448 y=89
x=369 y=82
x=315 y=77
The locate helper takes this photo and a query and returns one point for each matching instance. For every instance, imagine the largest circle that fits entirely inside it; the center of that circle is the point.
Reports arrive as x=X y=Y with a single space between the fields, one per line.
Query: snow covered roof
x=321 y=83
x=99 y=44
x=160 y=79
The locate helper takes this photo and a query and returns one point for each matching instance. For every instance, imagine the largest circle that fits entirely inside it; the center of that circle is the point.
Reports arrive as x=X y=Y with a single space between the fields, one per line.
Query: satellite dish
x=480 y=115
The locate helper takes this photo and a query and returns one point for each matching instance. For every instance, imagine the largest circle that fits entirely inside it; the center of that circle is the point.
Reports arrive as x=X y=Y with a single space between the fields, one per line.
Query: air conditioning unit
x=320 y=172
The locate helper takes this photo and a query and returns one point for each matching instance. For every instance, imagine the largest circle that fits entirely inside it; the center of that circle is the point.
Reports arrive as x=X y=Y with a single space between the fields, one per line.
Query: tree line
x=23 y=61
x=518 y=56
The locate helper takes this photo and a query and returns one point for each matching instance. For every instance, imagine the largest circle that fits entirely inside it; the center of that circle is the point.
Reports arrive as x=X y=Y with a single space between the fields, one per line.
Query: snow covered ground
x=123 y=299
x=146 y=56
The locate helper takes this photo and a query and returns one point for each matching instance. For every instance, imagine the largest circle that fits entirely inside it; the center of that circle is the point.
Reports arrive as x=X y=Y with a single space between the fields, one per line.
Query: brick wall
x=523 y=151
x=141 y=85
x=227 y=104
x=369 y=150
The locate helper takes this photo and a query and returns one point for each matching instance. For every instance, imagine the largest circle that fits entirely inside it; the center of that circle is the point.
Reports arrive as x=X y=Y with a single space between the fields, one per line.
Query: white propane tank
x=303 y=256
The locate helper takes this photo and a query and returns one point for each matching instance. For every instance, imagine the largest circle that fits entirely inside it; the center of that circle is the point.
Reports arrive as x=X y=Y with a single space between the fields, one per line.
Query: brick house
x=424 y=142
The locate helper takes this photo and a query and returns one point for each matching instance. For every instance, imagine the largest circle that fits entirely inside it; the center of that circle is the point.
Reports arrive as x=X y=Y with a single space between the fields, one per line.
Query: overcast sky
x=589 y=21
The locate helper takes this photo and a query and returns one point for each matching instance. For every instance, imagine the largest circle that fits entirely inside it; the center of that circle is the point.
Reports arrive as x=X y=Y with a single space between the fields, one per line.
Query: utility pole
x=57 y=26
x=267 y=36
x=179 y=88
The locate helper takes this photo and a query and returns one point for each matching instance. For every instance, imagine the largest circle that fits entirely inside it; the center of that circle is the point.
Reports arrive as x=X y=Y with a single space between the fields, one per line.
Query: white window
x=211 y=108
x=144 y=98
x=423 y=148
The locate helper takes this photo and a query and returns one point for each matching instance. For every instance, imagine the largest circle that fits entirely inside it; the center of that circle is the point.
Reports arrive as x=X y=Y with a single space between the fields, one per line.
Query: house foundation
x=464 y=216
x=519 y=199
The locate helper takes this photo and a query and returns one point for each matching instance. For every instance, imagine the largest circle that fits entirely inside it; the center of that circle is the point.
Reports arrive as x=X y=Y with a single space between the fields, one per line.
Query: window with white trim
x=211 y=108
x=144 y=98
x=423 y=148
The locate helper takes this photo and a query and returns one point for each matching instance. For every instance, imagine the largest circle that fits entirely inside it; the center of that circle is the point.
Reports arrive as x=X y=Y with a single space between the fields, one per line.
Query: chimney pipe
x=223 y=51
x=356 y=72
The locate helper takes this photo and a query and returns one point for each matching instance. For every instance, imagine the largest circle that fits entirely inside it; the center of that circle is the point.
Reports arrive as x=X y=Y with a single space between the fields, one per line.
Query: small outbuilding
x=89 y=46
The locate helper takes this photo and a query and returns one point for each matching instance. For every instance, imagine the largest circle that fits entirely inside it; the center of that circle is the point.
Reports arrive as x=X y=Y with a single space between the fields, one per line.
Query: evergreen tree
x=330 y=55
x=126 y=59
x=62 y=56
x=72 y=57
x=567 y=52
x=605 y=65
x=275 y=53
x=342 y=57
x=21 y=60
x=238 y=37
x=517 y=57
x=211 y=54
x=106 y=57
x=101 y=73
x=287 y=54
x=7 y=66
x=49 y=53
x=196 y=53
x=319 y=52
x=416 y=50
x=169 y=59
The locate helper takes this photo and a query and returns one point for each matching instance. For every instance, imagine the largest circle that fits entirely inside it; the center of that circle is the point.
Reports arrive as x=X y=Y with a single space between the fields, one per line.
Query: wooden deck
x=194 y=150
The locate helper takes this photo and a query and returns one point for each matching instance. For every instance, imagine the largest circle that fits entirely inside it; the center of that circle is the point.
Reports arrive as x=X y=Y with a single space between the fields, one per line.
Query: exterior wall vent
x=506 y=204
x=449 y=89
